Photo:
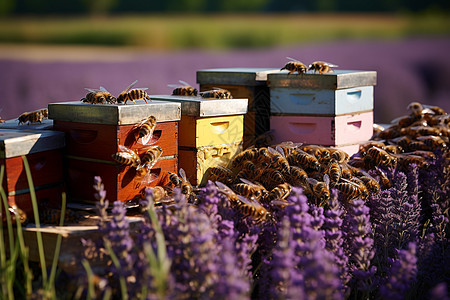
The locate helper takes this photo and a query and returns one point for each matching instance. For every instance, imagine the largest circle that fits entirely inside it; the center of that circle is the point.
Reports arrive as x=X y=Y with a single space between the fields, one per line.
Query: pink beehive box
x=332 y=131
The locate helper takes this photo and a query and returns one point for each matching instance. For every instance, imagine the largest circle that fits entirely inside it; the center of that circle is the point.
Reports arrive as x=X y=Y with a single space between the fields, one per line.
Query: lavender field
x=408 y=70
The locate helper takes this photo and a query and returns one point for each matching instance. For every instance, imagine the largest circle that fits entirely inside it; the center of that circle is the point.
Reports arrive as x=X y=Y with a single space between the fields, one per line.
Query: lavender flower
x=359 y=247
x=401 y=275
x=334 y=236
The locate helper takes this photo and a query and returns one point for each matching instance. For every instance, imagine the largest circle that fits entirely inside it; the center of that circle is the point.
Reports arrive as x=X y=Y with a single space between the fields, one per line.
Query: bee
x=393 y=149
x=416 y=131
x=249 y=189
x=294 y=66
x=186 y=187
x=271 y=178
x=406 y=159
x=372 y=185
x=384 y=180
x=1 y=120
x=33 y=117
x=126 y=156
x=222 y=174
x=349 y=189
x=377 y=128
x=278 y=160
x=148 y=160
x=248 y=207
x=408 y=144
x=281 y=191
x=377 y=156
x=433 y=142
x=297 y=176
x=423 y=153
x=320 y=152
x=320 y=189
x=321 y=67
x=174 y=179
x=307 y=161
x=217 y=93
x=417 y=109
x=185 y=89
x=146 y=128
x=334 y=172
x=134 y=94
x=247 y=154
x=339 y=155
x=101 y=96
x=391 y=132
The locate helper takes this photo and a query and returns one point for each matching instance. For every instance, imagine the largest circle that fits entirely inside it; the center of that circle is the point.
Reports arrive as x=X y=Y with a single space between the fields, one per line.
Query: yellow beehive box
x=209 y=122
x=196 y=162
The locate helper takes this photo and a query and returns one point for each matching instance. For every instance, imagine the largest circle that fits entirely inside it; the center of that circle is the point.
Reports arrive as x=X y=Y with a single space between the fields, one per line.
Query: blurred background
x=50 y=50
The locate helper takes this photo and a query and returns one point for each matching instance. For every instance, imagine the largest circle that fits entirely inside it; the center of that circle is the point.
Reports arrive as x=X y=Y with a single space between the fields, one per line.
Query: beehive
x=43 y=150
x=93 y=135
x=249 y=83
x=211 y=132
x=331 y=109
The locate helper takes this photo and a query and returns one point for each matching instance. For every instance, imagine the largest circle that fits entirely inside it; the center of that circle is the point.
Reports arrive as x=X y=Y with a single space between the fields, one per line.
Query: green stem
x=115 y=260
x=36 y=221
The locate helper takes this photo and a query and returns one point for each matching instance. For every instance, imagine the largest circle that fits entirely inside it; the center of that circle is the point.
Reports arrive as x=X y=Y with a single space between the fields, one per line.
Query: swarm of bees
x=183 y=89
x=294 y=65
x=33 y=117
x=102 y=96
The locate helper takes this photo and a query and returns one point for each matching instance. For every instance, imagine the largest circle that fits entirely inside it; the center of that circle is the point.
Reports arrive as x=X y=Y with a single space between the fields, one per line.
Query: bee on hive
x=134 y=94
x=294 y=66
x=101 y=96
x=217 y=93
x=33 y=117
x=183 y=89
x=321 y=67
x=126 y=156
x=146 y=128
x=148 y=160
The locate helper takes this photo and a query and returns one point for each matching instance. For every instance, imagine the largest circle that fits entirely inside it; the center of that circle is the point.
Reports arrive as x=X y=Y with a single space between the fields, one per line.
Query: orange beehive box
x=43 y=150
x=95 y=132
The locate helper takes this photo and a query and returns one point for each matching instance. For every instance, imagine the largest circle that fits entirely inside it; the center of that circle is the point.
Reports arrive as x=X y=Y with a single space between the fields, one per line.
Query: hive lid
x=20 y=142
x=338 y=79
x=201 y=107
x=116 y=114
x=235 y=76
x=13 y=124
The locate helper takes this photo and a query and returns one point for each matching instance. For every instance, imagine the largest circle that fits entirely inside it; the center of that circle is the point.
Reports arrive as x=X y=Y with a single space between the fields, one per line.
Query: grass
x=161 y=32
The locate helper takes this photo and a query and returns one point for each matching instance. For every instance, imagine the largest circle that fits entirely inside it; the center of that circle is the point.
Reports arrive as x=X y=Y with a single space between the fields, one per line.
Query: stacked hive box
x=249 y=83
x=333 y=109
x=93 y=135
x=211 y=132
x=43 y=150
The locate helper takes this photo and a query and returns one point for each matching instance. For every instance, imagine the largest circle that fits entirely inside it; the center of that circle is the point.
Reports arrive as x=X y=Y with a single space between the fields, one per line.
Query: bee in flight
x=294 y=66
x=133 y=94
x=146 y=128
x=33 y=117
x=217 y=93
x=101 y=96
x=321 y=67
x=185 y=89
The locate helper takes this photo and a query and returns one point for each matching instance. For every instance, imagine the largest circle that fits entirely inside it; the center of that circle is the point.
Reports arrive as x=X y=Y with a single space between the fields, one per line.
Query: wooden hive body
x=93 y=137
x=249 y=83
x=43 y=150
x=211 y=133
